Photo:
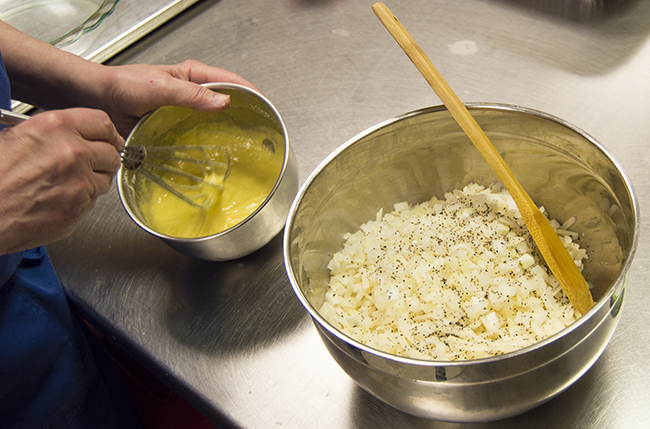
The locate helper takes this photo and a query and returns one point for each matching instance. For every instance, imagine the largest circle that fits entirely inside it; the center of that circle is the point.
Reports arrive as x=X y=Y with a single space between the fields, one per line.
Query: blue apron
x=50 y=375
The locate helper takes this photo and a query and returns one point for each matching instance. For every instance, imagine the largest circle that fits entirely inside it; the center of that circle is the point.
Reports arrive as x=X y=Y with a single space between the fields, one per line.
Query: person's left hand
x=131 y=91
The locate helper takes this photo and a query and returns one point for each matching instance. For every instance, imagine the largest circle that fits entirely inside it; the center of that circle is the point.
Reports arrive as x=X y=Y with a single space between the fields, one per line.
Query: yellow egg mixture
x=254 y=170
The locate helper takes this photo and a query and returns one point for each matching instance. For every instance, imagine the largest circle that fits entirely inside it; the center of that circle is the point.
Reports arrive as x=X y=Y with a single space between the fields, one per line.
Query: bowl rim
x=215 y=86
x=604 y=300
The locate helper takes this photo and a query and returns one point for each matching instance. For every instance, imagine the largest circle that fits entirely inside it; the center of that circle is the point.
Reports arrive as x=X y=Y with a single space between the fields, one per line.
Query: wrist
x=45 y=76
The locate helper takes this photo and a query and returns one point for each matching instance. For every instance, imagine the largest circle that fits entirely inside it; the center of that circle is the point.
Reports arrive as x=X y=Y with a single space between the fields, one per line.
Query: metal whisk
x=195 y=174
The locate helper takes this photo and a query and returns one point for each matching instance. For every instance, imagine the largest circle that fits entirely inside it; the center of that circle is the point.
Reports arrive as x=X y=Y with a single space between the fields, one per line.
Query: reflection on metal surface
x=616 y=301
x=577 y=10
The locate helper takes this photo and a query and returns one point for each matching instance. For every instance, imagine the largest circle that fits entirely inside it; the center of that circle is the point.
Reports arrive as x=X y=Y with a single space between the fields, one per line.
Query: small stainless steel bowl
x=424 y=153
x=249 y=108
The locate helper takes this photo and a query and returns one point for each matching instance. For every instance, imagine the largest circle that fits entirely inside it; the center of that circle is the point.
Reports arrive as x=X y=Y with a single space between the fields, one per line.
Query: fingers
x=102 y=144
x=197 y=72
x=187 y=93
x=130 y=91
x=78 y=141
x=53 y=167
x=94 y=125
x=101 y=184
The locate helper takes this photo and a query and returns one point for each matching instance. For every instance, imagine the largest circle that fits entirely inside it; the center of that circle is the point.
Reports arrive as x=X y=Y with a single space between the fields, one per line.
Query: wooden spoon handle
x=557 y=257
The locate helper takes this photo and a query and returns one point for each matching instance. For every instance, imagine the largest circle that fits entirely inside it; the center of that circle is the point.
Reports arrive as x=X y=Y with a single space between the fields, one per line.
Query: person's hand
x=131 y=91
x=53 y=167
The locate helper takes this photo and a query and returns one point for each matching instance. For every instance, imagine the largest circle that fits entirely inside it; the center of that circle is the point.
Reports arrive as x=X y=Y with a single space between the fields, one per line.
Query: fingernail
x=221 y=100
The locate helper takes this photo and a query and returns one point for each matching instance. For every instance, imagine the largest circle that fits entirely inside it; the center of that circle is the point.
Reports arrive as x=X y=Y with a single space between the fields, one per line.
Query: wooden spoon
x=557 y=257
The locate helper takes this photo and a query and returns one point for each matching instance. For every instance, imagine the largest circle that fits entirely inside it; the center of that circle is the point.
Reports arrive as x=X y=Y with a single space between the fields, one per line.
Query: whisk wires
x=195 y=174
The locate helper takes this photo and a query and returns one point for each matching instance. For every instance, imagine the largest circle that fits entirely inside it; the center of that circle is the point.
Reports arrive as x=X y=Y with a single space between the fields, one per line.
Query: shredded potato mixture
x=449 y=279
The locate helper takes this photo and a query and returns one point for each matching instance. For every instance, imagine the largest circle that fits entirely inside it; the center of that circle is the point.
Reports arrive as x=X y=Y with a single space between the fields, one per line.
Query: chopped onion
x=459 y=278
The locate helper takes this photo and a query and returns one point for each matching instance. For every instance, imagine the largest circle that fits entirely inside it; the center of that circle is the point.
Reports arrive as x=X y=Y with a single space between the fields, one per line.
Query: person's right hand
x=53 y=167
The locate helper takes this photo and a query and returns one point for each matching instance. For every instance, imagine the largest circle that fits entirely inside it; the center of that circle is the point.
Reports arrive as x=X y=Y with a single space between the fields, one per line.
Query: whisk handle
x=133 y=156
x=11 y=119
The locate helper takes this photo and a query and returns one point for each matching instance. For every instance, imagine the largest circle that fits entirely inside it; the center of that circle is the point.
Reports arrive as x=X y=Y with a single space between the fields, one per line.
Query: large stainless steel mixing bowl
x=424 y=153
x=249 y=109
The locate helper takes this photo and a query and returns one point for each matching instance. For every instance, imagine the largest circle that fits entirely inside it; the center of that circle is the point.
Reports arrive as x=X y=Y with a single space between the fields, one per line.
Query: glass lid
x=58 y=22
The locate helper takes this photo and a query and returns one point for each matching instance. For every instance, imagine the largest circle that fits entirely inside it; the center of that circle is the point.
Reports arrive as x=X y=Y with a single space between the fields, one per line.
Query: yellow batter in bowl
x=256 y=157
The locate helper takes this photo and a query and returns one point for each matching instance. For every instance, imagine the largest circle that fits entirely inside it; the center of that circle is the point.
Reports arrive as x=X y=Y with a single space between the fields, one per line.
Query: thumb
x=210 y=100
x=195 y=96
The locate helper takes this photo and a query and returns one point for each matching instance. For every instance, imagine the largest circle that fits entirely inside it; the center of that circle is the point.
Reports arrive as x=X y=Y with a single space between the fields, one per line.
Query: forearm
x=45 y=76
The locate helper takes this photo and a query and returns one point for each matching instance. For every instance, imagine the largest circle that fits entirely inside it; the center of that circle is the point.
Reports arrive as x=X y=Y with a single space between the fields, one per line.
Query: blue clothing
x=5 y=89
x=50 y=374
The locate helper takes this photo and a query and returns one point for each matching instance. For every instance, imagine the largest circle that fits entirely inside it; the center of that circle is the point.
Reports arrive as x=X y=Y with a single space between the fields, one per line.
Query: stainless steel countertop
x=231 y=337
